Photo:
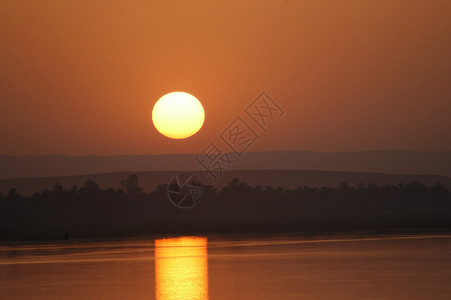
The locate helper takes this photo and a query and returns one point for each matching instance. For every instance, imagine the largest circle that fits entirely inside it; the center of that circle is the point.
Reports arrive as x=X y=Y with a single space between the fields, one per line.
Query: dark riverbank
x=92 y=212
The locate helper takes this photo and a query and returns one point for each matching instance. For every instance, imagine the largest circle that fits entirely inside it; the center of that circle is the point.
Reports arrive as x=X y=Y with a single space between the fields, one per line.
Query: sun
x=178 y=115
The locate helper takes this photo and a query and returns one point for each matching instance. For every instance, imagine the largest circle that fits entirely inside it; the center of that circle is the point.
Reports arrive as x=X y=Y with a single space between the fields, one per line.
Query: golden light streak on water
x=181 y=268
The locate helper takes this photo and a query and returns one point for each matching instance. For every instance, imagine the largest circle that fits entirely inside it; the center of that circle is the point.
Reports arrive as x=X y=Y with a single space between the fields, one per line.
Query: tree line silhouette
x=90 y=211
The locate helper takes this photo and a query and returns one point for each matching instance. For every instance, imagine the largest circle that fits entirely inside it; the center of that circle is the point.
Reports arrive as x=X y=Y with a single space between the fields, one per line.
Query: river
x=230 y=267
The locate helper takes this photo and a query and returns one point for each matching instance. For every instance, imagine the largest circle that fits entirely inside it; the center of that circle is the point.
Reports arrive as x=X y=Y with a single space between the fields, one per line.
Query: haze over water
x=236 y=267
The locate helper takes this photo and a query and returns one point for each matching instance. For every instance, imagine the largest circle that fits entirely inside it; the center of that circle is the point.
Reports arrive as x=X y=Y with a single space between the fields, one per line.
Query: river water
x=232 y=267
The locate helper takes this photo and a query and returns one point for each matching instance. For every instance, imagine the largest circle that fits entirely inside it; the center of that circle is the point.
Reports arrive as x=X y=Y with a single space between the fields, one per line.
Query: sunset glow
x=225 y=150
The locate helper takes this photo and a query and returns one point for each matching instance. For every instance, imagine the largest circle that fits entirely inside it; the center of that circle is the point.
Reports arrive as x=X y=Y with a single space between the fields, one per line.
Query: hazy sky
x=81 y=77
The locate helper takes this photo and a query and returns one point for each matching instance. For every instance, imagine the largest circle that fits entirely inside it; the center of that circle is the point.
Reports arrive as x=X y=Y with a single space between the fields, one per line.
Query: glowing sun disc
x=178 y=115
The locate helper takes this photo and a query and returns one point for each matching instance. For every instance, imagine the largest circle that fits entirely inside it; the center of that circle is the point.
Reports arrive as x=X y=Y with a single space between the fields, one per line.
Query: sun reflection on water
x=181 y=268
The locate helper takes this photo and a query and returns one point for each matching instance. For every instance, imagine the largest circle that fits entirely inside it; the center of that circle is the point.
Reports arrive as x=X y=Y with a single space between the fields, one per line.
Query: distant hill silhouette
x=288 y=179
x=394 y=162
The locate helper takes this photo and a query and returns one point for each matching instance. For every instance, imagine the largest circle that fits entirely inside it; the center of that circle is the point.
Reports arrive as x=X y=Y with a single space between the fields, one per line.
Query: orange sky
x=81 y=77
